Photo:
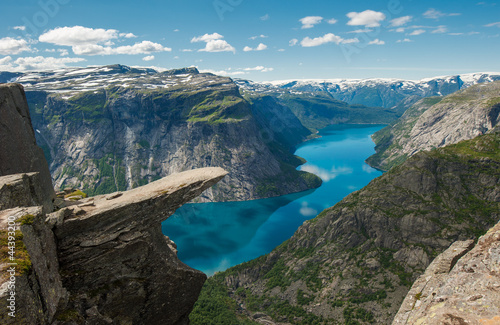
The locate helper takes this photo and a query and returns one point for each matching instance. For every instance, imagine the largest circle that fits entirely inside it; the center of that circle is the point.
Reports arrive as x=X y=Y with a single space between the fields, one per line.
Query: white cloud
x=12 y=46
x=332 y=21
x=207 y=38
x=455 y=34
x=436 y=14
x=176 y=30
x=376 y=42
x=148 y=58
x=259 y=68
x=260 y=47
x=293 y=42
x=310 y=21
x=367 y=169
x=440 y=29
x=19 y=27
x=78 y=35
x=265 y=17
x=215 y=43
x=400 y=30
x=227 y=72
x=63 y=52
x=307 y=211
x=417 y=32
x=281 y=50
x=406 y=40
x=497 y=24
x=327 y=38
x=396 y=22
x=367 y=18
x=259 y=36
x=127 y=35
x=36 y=63
x=358 y=31
x=186 y=50
x=218 y=45
x=145 y=47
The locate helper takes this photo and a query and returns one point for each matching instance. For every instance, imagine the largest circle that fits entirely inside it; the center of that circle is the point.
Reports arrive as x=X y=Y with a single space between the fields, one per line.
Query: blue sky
x=256 y=39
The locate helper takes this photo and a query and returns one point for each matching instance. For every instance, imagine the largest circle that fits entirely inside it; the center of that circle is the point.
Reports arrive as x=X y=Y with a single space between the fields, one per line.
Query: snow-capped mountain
x=373 y=92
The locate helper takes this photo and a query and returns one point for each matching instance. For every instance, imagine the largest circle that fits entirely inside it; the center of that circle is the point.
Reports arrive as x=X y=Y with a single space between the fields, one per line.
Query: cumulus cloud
x=97 y=41
x=19 y=27
x=376 y=42
x=145 y=47
x=215 y=43
x=332 y=21
x=325 y=174
x=78 y=35
x=148 y=58
x=406 y=40
x=218 y=46
x=293 y=42
x=436 y=14
x=260 y=47
x=207 y=38
x=417 y=32
x=12 y=46
x=36 y=63
x=367 y=18
x=396 y=22
x=310 y=21
x=265 y=17
x=327 y=38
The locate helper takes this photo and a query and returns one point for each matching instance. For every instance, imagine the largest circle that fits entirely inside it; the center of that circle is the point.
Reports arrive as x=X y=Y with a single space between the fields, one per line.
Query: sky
x=256 y=39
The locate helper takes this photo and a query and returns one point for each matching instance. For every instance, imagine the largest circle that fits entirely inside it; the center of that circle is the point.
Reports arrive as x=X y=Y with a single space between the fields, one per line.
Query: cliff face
x=460 y=286
x=100 y=260
x=21 y=155
x=436 y=122
x=356 y=260
x=115 y=128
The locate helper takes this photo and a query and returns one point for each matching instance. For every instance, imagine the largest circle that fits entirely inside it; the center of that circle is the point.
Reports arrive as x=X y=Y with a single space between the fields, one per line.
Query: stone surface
x=461 y=286
x=115 y=260
x=23 y=190
x=19 y=152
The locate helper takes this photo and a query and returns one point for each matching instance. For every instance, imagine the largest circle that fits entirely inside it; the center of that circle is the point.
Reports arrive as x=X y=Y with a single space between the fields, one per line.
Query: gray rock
x=19 y=153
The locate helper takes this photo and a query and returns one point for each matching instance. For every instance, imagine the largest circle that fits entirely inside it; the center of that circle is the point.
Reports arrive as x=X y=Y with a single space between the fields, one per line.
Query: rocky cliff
x=355 y=262
x=115 y=128
x=101 y=260
x=436 y=122
x=459 y=287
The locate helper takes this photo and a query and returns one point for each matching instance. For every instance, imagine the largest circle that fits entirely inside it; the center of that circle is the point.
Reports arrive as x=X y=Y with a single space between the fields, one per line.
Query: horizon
x=257 y=40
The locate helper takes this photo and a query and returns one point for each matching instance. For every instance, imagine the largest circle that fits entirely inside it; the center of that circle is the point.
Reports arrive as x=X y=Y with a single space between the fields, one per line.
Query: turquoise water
x=215 y=236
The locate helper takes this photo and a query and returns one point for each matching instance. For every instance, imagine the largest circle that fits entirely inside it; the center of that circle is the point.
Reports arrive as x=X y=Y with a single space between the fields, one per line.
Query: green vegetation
x=18 y=254
x=76 y=193
x=27 y=219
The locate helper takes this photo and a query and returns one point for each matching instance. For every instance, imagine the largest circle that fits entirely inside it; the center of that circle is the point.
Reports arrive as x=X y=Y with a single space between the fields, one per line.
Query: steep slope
x=115 y=128
x=354 y=263
x=377 y=92
x=436 y=121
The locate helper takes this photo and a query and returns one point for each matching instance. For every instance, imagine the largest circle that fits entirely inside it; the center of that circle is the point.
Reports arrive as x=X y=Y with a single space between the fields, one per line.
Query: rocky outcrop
x=436 y=122
x=356 y=261
x=19 y=152
x=459 y=287
x=114 y=128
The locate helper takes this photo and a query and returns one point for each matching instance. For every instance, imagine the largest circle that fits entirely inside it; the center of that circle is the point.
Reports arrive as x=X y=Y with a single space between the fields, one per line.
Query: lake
x=212 y=237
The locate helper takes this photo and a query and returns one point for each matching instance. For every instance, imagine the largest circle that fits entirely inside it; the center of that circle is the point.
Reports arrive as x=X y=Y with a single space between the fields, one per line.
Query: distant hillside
x=376 y=92
x=436 y=122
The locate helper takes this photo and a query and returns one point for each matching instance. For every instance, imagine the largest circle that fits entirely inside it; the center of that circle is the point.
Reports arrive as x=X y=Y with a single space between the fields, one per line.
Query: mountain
x=354 y=262
x=113 y=128
x=376 y=92
x=436 y=122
